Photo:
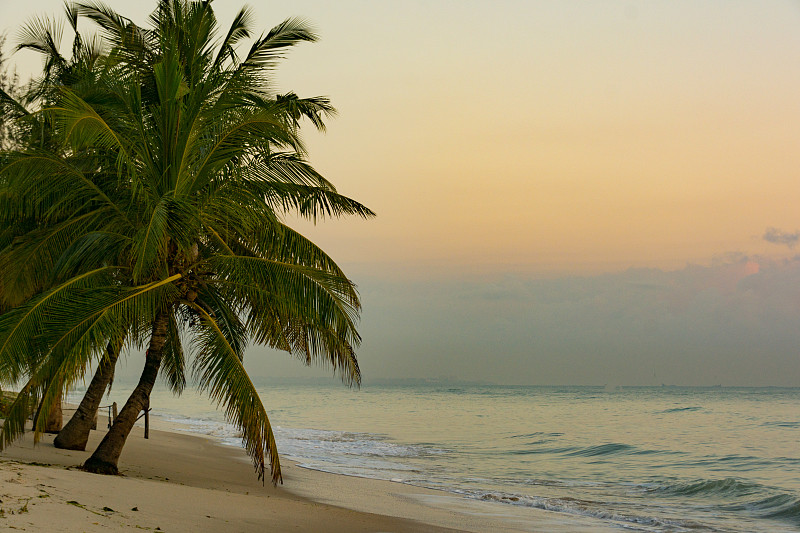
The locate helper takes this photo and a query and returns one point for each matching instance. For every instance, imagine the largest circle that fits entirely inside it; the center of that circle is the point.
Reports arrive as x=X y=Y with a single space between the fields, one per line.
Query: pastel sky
x=548 y=152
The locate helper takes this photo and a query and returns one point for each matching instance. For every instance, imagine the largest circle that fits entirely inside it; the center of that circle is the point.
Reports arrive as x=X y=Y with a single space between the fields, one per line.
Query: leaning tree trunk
x=105 y=458
x=56 y=418
x=75 y=434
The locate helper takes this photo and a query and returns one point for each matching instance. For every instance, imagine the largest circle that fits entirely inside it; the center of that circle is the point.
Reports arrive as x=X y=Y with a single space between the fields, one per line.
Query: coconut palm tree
x=182 y=236
x=42 y=35
x=77 y=71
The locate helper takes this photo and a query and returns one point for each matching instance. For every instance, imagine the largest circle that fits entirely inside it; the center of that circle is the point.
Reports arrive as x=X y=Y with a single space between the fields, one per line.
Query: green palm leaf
x=222 y=375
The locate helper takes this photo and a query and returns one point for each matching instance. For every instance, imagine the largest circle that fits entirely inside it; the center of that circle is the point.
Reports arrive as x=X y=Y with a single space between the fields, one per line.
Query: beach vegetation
x=10 y=89
x=160 y=222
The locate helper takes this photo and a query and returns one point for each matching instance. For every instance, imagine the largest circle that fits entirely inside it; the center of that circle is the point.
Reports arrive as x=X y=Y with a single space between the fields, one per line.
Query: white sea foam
x=341 y=452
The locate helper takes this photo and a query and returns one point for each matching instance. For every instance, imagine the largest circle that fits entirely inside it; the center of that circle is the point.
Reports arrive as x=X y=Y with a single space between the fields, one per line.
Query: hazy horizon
x=567 y=193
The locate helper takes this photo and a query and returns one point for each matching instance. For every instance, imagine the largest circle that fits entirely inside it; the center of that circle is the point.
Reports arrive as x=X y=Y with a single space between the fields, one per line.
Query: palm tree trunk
x=56 y=418
x=75 y=434
x=105 y=458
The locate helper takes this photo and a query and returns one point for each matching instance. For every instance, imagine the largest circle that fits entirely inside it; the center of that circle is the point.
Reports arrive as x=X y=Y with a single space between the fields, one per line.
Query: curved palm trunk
x=105 y=458
x=56 y=418
x=75 y=434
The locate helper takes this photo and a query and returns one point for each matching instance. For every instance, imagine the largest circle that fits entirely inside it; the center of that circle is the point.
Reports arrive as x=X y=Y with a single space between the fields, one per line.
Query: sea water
x=633 y=458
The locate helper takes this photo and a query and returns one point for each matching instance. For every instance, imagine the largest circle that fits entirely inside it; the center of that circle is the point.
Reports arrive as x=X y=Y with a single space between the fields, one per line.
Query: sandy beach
x=180 y=482
x=171 y=482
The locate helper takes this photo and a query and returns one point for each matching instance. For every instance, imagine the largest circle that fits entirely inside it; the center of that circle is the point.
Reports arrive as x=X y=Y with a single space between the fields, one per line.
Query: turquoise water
x=638 y=459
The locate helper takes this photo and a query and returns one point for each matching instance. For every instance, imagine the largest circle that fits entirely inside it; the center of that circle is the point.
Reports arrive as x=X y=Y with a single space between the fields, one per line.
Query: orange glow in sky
x=544 y=137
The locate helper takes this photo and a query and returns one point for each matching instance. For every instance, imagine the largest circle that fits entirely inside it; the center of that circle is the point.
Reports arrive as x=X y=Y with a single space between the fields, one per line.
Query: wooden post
x=147 y=419
x=113 y=412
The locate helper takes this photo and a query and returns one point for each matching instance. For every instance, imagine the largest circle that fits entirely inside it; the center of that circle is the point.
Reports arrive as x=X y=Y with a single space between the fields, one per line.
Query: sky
x=567 y=192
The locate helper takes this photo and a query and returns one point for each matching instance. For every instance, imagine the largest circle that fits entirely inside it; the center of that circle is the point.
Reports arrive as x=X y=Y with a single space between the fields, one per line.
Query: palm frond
x=22 y=328
x=296 y=308
x=17 y=414
x=48 y=186
x=289 y=183
x=266 y=50
x=173 y=362
x=85 y=311
x=314 y=109
x=43 y=35
x=34 y=262
x=282 y=243
x=240 y=29
x=83 y=126
x=222 y=375
x=128 y=42
x=150 y=242
x=231 y=141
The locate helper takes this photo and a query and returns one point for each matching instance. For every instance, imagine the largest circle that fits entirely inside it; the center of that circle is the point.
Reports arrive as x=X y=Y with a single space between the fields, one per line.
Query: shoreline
x=173 y=482
x=188 y=482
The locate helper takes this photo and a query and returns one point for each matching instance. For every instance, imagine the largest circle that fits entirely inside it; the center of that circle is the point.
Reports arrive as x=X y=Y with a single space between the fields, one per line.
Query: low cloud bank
x=734 y=322
x=777 y=236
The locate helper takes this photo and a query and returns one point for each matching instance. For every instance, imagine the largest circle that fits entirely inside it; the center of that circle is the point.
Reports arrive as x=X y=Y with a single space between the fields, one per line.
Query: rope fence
x=112 y=415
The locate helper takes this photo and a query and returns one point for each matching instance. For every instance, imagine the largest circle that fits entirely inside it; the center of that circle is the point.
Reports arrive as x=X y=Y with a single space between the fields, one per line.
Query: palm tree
x=182 y=236
x=43 y=35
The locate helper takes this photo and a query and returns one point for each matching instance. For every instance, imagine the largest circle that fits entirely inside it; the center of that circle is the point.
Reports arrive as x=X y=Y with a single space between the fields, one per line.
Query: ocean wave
x=613 y=448
x=303 y=441
x=321 y=446
x=536 y=434
x=589 y=508
x=743 y=463
x=719 y=487
x=602 y=449
x=788 y=509
x=534 y=451
x=780 y=506
x=785 y=507
x=783 y=424
x=544 y=483
x=214 y=428
x=680 y=409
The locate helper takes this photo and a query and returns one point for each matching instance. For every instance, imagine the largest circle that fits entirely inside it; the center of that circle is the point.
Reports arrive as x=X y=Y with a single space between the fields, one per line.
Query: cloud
x=777 y=236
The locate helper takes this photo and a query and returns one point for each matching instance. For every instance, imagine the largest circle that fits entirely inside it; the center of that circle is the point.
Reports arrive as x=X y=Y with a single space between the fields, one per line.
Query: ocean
x=634 y=458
